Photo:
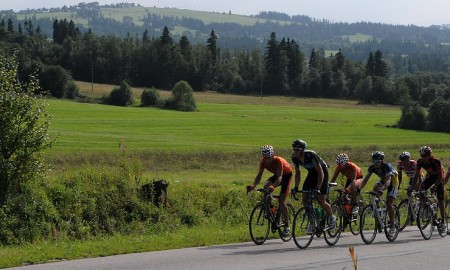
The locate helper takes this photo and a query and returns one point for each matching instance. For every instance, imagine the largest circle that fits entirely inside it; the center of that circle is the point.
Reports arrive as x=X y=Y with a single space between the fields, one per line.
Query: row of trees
x=281 y=68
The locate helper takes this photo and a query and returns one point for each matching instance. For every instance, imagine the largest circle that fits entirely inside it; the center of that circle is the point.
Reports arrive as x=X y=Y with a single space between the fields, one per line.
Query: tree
x=150 y=97
x=23 y=129
x=54 y=79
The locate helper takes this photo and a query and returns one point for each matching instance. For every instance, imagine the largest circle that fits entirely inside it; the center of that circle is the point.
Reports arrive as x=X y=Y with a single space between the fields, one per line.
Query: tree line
x=280 y=68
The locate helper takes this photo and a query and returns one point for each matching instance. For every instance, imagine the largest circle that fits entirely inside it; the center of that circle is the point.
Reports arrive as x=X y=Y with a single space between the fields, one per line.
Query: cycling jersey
x=309 y=163
x=409 y=169
x=350 y=171
x=434 y=169
x=384 y=170
x=275 y=164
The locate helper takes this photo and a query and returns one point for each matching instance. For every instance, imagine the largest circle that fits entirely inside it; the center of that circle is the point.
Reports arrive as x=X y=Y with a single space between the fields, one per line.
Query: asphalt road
x=409 y=251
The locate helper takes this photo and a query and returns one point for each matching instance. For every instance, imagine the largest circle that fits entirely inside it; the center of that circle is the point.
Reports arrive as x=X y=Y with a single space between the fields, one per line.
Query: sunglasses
x=297 y=149
x=424 y=156
x=376 y=161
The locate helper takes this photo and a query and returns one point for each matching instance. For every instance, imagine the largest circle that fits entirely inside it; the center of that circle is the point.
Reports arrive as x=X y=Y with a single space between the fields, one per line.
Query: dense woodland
x=402 y=65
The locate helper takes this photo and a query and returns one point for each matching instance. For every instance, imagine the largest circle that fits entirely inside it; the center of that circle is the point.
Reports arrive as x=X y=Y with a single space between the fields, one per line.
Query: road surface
x=410 y=251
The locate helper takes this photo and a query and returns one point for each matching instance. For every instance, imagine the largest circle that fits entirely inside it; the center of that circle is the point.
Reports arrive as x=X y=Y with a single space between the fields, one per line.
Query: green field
x=225 y=123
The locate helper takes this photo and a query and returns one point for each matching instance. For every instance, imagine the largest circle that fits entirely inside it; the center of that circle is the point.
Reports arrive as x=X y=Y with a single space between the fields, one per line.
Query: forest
x=400 y=65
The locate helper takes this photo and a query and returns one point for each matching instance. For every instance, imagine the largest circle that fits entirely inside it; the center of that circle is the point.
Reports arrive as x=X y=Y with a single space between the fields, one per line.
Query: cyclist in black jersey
x=317 y=179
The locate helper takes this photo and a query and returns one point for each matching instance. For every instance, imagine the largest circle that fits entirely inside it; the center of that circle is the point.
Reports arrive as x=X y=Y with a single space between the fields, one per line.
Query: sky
x=405 y=12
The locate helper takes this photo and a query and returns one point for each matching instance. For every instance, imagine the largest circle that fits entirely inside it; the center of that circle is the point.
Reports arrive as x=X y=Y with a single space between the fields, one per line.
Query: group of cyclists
x=425 y=173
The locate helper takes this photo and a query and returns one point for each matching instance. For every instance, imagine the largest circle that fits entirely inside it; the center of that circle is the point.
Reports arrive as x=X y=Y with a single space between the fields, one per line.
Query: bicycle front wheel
x=333 y=233
x=396 y=222
x=405 y=214
x=303 y=228
x=368 y=224
x=425 y=220
x=291 y=211
x=447 y=208
x=259 y=225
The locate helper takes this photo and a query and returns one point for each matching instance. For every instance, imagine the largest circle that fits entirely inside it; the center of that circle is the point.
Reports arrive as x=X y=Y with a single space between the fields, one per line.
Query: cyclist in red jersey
x=282 y=176
x=408 y=166
x=434 y=177
x=354 y=176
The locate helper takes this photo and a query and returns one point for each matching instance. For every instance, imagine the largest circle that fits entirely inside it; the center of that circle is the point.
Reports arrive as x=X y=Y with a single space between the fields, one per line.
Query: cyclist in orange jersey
x=354 y=176
x=282 y=176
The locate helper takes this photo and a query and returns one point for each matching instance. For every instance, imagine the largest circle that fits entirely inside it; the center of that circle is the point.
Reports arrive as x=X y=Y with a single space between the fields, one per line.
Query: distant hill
x=237 y=31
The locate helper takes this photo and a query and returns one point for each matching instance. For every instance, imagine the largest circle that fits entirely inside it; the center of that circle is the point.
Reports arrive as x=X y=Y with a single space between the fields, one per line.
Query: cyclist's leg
x=354 y=187
x=284 y=192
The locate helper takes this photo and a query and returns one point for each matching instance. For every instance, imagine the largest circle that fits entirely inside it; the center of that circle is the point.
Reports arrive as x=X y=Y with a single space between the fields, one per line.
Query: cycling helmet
x=377 y=155
x=404 y=156
x=267 y=151
x=425 y=151
x=299 y=144
x=342 y=159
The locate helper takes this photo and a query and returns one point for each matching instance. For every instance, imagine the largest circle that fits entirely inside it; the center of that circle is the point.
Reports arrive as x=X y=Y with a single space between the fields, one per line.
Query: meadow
x=207 y=156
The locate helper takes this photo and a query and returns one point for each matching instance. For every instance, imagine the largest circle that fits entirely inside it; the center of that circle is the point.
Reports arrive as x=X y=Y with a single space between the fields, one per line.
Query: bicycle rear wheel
x=259 y=225
x=425 y=220
x=405 y=214
x=291 y=212
x=368 y=224
x=387 y=224
x=331 y=236
x=302 y=221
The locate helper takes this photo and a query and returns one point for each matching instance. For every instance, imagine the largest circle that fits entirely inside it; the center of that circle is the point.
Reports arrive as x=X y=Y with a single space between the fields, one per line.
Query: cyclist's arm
x=335 y=175
x=400 y=176
x=447 y=176
x=364 y=181
x=298 y=176
x=258 y=176
x=387 y=182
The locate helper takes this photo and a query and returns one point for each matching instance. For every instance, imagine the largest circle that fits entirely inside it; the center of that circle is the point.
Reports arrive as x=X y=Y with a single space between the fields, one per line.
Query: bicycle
x=265 y=217
x=447 y=208
x=427 y=215
x=374 y=219
x=408 y=209
x=306 y=217
x=343 y=202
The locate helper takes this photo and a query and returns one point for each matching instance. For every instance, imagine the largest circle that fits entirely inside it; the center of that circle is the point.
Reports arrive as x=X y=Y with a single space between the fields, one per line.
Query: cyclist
x=317 y=179
x=388 y=181
x=282 y=176
x=408 y=166
x=434 y=176
x=447 y=175
x=354 y=176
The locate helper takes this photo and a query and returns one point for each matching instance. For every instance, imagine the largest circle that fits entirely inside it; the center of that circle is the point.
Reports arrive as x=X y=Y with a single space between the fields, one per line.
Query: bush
x=413 y=117
x=72 y=90
x=150 y=97
x=121 y=96
x=55 y=79
x=439 y=116
x=182 y=98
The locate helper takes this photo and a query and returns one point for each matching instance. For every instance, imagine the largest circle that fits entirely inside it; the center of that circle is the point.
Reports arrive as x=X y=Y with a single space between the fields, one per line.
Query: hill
x=238 y=31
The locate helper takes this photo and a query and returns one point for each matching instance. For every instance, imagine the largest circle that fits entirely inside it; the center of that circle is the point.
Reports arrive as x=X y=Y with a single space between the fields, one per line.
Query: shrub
x=72 y=90
x=182 y=98
x=150 y=97
x=121 y=96
x=413 y=117
x=54 y=79
x=439 y=116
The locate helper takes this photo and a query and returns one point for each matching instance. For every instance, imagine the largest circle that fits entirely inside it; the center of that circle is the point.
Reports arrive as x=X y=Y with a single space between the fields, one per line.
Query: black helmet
x=377 y=155
x=299 y=144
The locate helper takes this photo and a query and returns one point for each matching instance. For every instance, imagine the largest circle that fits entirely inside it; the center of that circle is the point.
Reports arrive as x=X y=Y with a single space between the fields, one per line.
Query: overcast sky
x=417 y=12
